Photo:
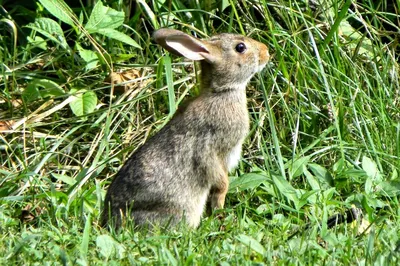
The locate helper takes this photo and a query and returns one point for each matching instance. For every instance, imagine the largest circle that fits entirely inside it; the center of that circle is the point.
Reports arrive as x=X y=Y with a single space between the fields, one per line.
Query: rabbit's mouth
x=261 y=67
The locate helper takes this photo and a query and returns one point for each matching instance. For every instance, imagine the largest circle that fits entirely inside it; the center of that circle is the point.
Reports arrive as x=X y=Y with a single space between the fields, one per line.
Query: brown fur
x=170 y=177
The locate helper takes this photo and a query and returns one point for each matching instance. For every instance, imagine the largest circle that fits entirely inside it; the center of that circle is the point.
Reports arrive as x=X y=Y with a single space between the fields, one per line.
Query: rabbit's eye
x=240 y=48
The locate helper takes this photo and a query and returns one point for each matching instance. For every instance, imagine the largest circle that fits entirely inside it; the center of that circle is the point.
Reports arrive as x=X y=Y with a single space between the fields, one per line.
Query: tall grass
x=324 y=135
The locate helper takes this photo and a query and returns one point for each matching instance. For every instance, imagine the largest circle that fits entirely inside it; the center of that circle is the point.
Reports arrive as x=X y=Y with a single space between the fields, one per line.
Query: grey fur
x=170 y=177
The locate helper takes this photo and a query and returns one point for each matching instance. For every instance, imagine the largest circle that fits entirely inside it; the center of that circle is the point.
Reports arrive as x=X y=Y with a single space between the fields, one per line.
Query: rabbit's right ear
x=180 y=43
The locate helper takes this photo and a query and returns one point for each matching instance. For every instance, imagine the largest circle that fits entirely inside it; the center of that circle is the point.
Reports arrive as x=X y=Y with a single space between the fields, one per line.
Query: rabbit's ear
x=182 y=44
x=187 y=46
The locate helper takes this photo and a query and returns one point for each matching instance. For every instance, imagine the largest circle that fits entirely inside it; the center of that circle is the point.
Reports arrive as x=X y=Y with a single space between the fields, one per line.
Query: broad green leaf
x=370 y=168
x=66 y=179
x=372 y=171
x=252 y=243
x=81 y=18
x=285 y=188
x=247 y=181
x=369 y=185
x=41 y=88
x=297 y=167
x=390 y=188
x=84 y=103
x=119 y=36
x=103 y=17
x=340 y=165
x=372 y=202
x=321 y=173
x=157 y=4
x=262 y=208
x=38 y=42
x=90 y=57
x=118 y=58
x=356 y=173
x=50 y=88
x=108 y=246
x=328 y=194
x=31 y=93
x=60 y=10
x=308 y=197
x=312 y=180
x=104 y=20
x=50 y=29
x=224 y=4
x=394 y=175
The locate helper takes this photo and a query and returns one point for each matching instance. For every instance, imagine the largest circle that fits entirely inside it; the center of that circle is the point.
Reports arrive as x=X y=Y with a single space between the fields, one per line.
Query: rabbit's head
x=228 y=61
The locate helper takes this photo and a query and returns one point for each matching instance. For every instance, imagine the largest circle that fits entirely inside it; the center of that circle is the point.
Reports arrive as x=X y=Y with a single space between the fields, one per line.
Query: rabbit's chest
x=234 y=155
x=241 y=129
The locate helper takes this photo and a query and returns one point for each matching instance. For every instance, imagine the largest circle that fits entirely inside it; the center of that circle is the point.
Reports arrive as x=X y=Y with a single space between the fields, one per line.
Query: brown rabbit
x=170 y=177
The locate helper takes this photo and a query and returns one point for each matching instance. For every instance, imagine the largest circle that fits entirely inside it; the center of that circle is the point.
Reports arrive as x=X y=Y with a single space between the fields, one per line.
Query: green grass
x=325 y=135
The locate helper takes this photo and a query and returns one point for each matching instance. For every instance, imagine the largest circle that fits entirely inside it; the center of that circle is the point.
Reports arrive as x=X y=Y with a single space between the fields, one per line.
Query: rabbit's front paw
x=217 y=196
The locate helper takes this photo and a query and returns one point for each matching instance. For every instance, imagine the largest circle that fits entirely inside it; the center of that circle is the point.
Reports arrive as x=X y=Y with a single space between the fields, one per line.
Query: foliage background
x=83 y=85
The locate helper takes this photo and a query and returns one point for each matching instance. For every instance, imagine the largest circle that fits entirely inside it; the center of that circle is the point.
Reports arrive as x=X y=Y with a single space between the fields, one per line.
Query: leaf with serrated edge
x=122 y=37
x=60 y=10
x=50 y=29
x=104 y=17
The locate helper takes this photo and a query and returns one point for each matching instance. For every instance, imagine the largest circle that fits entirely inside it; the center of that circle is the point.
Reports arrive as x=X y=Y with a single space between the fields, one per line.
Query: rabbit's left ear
x=182 y=44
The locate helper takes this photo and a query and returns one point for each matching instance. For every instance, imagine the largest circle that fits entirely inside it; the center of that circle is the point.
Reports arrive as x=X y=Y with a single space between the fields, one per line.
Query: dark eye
x=240 y=48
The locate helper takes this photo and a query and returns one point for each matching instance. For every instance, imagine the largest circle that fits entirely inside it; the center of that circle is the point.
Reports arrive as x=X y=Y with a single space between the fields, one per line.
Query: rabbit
x=173 y=175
